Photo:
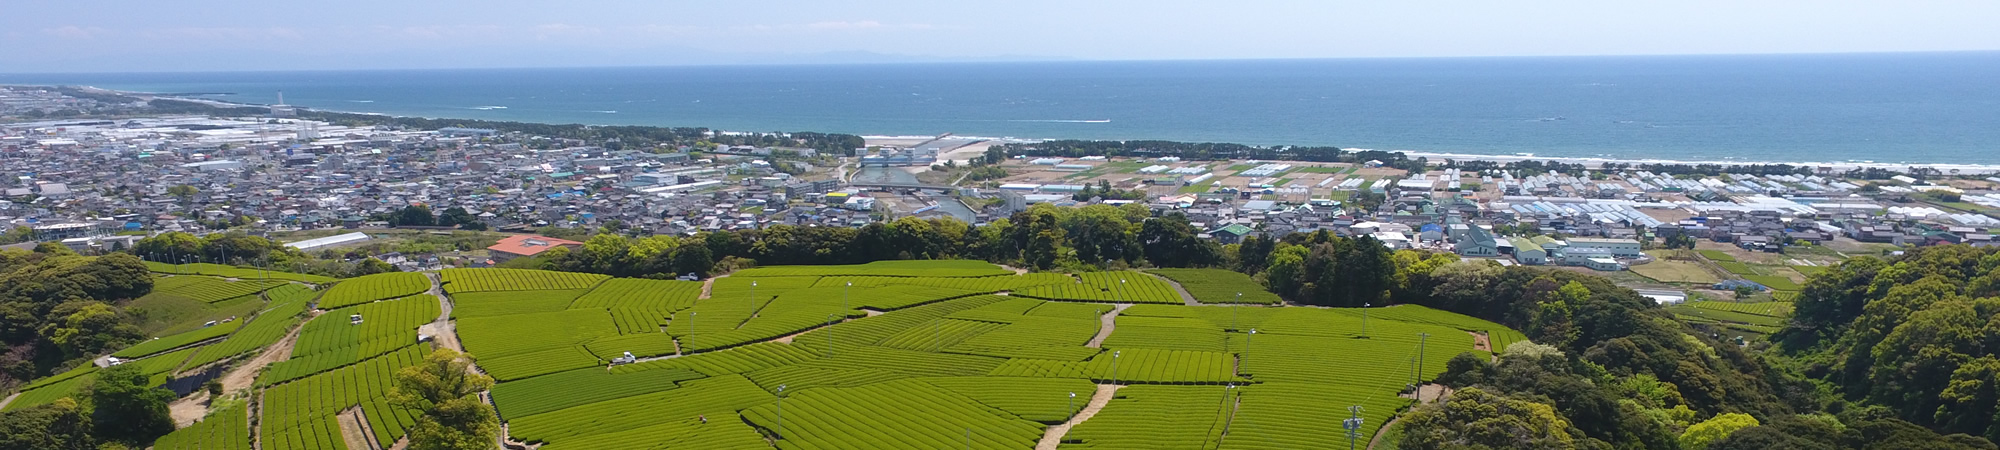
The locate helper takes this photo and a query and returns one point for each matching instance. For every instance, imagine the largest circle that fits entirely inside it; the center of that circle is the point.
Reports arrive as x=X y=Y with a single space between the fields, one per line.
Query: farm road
x=1185 y=296
x=1108 y=323
x=1052 y=437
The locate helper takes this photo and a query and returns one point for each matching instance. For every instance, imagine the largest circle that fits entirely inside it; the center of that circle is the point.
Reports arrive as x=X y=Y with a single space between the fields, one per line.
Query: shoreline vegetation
x=844 y=144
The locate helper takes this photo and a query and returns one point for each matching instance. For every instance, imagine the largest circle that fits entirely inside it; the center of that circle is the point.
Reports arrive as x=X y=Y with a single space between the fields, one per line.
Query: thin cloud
x=76 y=32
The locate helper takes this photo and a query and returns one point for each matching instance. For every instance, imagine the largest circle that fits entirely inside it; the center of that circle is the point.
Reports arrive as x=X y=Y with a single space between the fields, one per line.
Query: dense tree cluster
x=57 y=308
x=1618 y=368
x=1043 y=237
x=242 y=249
x=1919 y=334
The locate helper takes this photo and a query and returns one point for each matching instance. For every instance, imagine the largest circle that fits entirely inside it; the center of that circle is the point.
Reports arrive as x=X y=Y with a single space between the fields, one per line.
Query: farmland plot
x=501 y=303
x=925 y=268
x=381 y=286
x=581 y=387
x=225 y=429
x=1115 y=287
x=639 y=293
x=1295 y=415
x=1219 y=286
x=162 y=344
x=482 y=280
x=268 y=327
x=331 y=340
x=299 y=414
x=976 y=284
x=1188 y=417
x=210 y=289
x=906 y=414
x=243 y=273
x=49 y=389
x=717 y=397
x=497 y=336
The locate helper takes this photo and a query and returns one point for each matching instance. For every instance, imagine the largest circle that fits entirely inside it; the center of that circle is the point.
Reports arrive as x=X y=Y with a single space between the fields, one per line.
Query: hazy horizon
x=235 y=35
x=894 y=60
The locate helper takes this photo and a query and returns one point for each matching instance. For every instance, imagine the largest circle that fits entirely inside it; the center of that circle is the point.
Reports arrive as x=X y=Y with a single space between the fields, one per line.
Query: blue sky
x=151 y=35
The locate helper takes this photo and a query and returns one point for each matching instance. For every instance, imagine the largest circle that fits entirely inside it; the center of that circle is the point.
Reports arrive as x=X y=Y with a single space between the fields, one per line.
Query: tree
x=371 y=266
x=1715 y=428
x=460 y=217
x=695 y=259
x=413 y=216
x=60 y=425
x=445 y=388
x=1254 y=254
x=1785 y=432
x=1473 y=418
x=54 y=249
x=126 y=408
x=90 y=327
x=183 y=192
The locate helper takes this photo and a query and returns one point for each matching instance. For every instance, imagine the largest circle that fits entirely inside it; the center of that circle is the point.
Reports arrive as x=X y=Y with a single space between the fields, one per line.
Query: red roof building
x=526 y=245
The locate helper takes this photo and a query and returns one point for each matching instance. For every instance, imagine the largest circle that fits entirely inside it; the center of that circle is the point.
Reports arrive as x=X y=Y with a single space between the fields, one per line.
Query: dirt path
x=1107 y=323
x=1429 y=393
x=708 y=286
x=1383 y=432
x=244 y=375
x=187 y=410
x=442 y=331
x=9 y=399
x=353 y=429
x=1185 y=296
x=1052 y=437
x=1480 y=342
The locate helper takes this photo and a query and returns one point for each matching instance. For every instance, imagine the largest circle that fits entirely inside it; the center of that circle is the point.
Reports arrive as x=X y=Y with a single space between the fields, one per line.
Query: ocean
x=1885 y=108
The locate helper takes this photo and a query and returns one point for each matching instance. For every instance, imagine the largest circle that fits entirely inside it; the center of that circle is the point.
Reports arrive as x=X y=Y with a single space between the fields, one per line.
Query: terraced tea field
x=953 y=354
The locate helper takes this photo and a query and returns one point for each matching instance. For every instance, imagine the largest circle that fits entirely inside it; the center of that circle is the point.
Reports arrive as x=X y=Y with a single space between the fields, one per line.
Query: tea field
x=904 y=354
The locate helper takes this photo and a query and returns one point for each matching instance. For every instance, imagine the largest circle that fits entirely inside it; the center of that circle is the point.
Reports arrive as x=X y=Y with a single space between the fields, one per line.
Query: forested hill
x=57 y=307
x=1915 y=338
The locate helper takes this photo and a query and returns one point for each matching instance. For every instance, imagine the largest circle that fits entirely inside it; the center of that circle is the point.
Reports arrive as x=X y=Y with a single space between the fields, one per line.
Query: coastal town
x=98 y=185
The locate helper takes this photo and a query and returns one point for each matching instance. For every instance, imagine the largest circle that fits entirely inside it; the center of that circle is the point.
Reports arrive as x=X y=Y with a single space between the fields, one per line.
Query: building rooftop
x=529 y=245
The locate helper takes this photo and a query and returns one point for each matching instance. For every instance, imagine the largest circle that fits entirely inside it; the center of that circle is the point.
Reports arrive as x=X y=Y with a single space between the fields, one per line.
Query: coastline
x=1949 y=168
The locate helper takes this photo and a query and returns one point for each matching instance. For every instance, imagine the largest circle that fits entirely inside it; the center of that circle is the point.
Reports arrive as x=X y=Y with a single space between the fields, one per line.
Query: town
x=98 y=185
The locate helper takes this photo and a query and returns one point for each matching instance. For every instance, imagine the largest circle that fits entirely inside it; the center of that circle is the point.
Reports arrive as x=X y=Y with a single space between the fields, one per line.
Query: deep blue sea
x=1928 y=107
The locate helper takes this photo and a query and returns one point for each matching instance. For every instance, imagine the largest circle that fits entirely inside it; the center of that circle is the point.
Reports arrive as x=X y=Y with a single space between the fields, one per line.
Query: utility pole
x=1364 y=319
x=1353 y=425
x=844 y=308
x=1114 y=365
x=753 y=299
x=830 y=318
x=781 y=411
x=1421 y=339
x=1233 y=311
x=1245 y=358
